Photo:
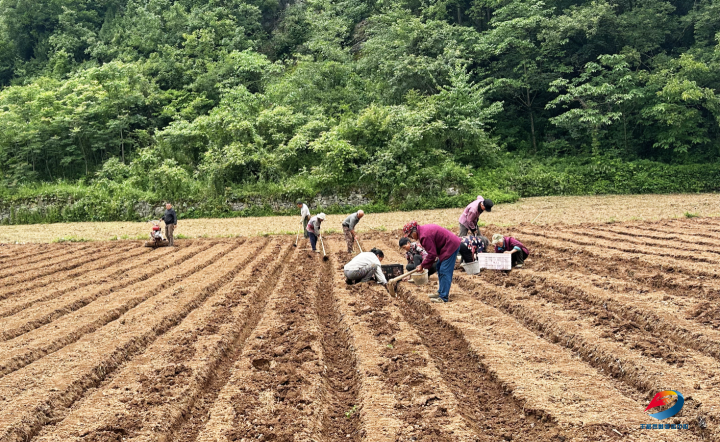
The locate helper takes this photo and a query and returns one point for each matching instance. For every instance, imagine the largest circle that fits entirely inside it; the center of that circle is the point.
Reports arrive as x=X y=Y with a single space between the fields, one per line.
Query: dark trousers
x=169 y=231
x=466 y=254
x=417 y=260
x=518 y=258
x=304 y=223
x=313 y=240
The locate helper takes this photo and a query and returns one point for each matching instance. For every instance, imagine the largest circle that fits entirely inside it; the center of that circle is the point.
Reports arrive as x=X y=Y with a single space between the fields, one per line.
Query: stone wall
x=146 y=210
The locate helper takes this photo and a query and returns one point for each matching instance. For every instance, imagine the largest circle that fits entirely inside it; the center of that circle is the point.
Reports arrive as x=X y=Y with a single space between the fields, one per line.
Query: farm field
x=537 y=210
x=252 y=339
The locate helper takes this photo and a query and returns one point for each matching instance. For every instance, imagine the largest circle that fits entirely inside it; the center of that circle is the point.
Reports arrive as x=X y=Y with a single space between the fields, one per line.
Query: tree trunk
x=532 y=120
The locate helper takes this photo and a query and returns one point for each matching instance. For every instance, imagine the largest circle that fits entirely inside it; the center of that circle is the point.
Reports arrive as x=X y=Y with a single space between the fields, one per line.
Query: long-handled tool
x=325 y=257
x=392 y=282
x=358 y=243
x=297 y=237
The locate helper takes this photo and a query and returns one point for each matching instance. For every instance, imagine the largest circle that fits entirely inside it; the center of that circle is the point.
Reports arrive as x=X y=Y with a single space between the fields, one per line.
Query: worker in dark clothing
x=170 y=219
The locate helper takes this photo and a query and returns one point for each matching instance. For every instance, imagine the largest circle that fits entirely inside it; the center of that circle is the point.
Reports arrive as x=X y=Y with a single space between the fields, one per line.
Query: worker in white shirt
x=365 y=267
x=304 y=216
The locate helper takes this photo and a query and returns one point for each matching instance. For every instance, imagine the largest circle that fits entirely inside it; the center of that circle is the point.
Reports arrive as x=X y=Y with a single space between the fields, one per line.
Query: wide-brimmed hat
x=497 y=238
x=321 y=216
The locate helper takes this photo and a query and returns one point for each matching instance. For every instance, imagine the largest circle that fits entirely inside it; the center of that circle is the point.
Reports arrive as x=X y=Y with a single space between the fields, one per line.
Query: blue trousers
x=313 y=240
x=445 y=274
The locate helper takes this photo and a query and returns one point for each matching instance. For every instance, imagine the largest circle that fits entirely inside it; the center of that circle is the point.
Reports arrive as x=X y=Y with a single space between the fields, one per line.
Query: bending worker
x=415 y=255
x=469 y=218
x=313 y=229
x=365 y=267
x=349 y=228
x=472 y=246
x=508 y=244
x=439 y=243
x=304 y=216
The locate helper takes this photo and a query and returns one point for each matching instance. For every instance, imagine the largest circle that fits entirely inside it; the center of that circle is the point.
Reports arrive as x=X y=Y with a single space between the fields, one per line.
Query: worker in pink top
x=440 y=244
x=469 y=218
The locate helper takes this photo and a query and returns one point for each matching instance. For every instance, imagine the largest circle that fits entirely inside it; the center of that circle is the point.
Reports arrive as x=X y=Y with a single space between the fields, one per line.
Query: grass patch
x=70 y=239
x=691 y=215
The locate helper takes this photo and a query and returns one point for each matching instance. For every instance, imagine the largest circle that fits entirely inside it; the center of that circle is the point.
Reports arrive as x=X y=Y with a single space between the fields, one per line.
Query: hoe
x=391 y=284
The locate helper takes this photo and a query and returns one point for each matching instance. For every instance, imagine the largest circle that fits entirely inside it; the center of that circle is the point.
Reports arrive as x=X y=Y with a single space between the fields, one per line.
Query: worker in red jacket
x=440 y=244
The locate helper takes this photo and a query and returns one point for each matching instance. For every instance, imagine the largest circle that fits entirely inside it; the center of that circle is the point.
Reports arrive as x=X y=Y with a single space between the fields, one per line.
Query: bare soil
x=253 y=339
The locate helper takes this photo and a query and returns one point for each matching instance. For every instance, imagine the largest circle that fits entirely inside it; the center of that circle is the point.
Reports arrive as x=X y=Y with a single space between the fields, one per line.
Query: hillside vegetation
x=115 y=101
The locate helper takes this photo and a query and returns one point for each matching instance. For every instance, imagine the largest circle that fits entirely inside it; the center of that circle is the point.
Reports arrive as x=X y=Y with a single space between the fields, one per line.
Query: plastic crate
x=392 y=270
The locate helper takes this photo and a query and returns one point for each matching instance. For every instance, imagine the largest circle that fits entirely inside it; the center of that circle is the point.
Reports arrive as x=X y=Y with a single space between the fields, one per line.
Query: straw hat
x=497 y=238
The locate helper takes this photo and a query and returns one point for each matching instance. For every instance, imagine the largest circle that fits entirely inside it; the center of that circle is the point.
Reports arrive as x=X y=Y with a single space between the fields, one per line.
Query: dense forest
x=209 y=100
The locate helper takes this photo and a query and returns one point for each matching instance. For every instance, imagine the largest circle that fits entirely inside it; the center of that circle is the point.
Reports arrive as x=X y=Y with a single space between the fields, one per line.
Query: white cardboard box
x=495 y=261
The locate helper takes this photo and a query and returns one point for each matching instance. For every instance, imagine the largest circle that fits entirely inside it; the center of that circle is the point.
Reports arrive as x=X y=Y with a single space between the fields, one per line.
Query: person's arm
x=379 y=277
x=429 y=246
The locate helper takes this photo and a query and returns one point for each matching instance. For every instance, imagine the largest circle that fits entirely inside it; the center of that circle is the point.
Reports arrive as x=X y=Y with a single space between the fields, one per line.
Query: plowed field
x=252 y=339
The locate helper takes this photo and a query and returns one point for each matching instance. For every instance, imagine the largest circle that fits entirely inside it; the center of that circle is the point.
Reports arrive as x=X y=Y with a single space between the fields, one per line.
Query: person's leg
x=355 y=276
x=518 y=259
x=433 y=269
x=417 y=260
x=349 y=241
x=305 y=232
x=463 y=230
x=445 y=273
x=313 y=240
x=467 y=255
x=169 y=231
x=369 y=275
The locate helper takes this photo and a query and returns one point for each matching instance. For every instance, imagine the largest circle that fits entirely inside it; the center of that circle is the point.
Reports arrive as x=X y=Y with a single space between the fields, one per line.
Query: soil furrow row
x=594 y=261
x=21 y=296
x=29 y=347
x=613 y=347
x=694 y=233
x=47 y=270
x=67 y=301
x=35 y=254
x=254 y=287
x=10 y=251
x=276 y=387
x=42 y=392
x=648 y=246
x=56 y=257
x=666 y=264
x=341 y=378
x=422 y=405
x=482 y=394
x=675 y=240
x=377 y=407
x=547 y=384
x=619 y=243
x=150 y=396
x=655 y=312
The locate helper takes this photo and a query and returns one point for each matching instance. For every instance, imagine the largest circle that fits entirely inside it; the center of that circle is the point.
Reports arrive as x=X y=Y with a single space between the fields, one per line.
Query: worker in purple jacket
x=508 y=244
x=469 y=218
x=439 y=243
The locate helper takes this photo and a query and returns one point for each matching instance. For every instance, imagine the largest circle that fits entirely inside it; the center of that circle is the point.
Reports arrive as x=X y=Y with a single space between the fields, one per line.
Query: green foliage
x=104 y=104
